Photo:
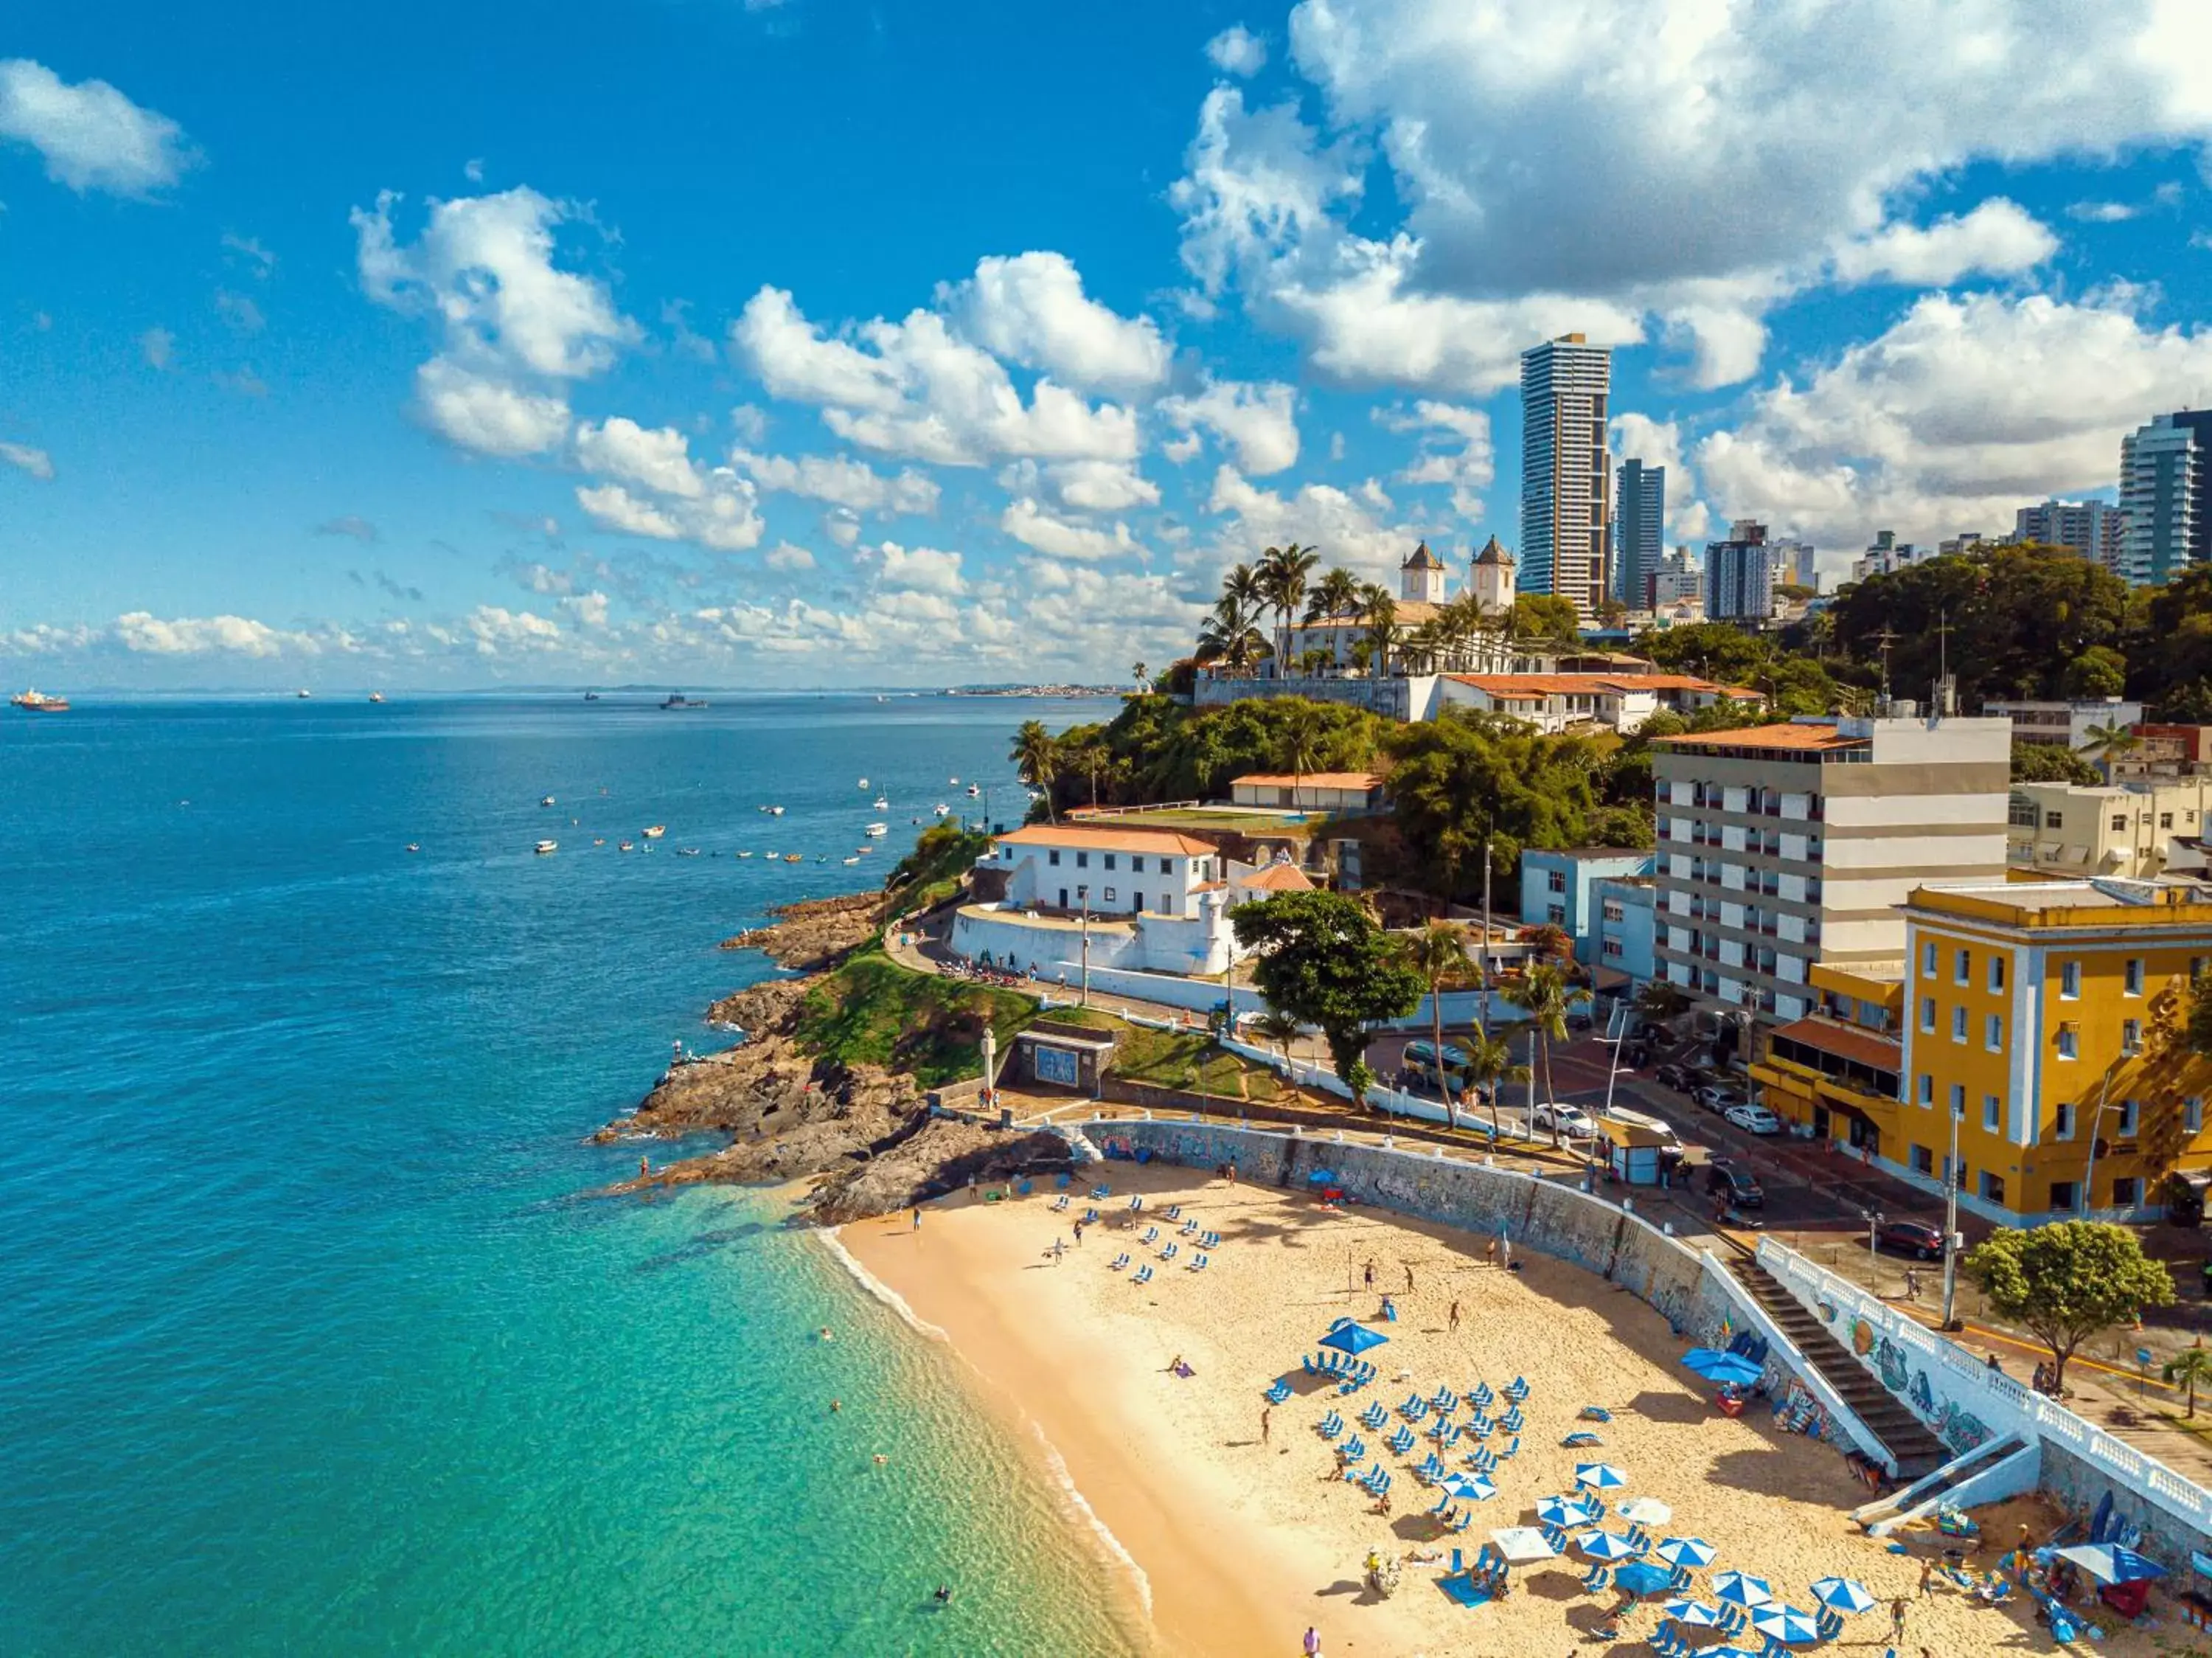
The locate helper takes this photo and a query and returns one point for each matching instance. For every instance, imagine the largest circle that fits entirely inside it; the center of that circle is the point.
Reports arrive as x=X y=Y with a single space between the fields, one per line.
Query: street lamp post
x=1874 y=1217
x=1082 y=898
x=2096 y=1124
x=1951 y=1231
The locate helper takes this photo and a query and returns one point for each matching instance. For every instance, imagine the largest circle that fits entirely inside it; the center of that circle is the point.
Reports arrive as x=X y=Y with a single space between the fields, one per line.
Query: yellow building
x=1836 y=1071
x=2046 y=1018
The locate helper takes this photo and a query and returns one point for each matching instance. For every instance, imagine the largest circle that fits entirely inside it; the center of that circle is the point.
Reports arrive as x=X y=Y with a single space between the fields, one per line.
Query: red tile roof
x=1882 y=1052
x=1361 y=780
x=1791 y=735
x=1562 y=685
x=1278 y=878
x=1087 y=839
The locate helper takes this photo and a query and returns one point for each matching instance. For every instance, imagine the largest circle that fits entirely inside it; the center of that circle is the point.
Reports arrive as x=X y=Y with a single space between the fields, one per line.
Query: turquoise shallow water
x=311 y=1345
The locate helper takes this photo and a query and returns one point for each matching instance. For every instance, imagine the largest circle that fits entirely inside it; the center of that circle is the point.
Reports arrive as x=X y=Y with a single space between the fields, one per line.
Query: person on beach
x=1897 y=1621
x=1265 y=1412
x=644 y=1168
x=1409 y=1277
x=917 y=1218
x=1453 y=1321
x=1312 y=1642
x=1369 y=1275
x=1078 y=1234
x=1490 y=1253
x=1505 y=1250
x=1926 y=1577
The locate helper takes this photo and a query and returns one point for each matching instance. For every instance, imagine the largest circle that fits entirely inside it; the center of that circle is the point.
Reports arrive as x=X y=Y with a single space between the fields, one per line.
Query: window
x=1555 y=882
x=2019 y=812
x=2131 y=1036
x=1167 y=866
x=1996 y=975
x=1556 y=914
x=2165 y=819
x=2069 y=980
x=2119 y=823
x=1963 y=967
x=2192 y=1113
x=2127 y=1119
x=1928 y=962
x=2069 y=1043
x=2054 y=819
x=2062 y=1196
x=1992 y=1113
x=1923 y=1161
x=2127 y=1191
x=1958 y=1099
x=2131 y=978
x=1958 y=1024
x=1614 y=913
x=1612 y=949
x=1992 y=1187
x=1993 y=1034
x=1928 y=1015
x=1053 y=857
x=2062 y=1122
x=1083 y=860
x=1927 y=1089
x=1109 y=860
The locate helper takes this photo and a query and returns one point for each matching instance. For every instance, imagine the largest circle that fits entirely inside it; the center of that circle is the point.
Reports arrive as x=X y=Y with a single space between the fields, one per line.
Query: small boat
x=686 y=851
x=882 y=803
x=376 y=696
x=548 y=846
x=851 y=861
x=591 y=696
x=775 y=811
x=677 y=702
x=37 y=701
x=862 y=851
x=883 y=700
x=655 y=830
x=795 y=857
x=627 y=846
x=744 y=854
x=414 y=845
x=973 y=791
x=864 y=783
x=877 y=831
x=770 y=857
x=547 y=800
x=303 y=693
x=941 y=809
x=599 y=840
x=955 y=782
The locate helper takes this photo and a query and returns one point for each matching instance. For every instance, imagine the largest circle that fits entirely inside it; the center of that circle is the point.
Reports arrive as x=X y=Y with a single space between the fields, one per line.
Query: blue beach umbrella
x=1786 y=1625
x=1841 y=1595
x=1474 y=1487
x=1599 y=1476
x=1322 y=1177
x=1692 y=1614
x=2108 y=1563
x=1745 y=1591
x=1347 y=1337
x=1642 y=1577
x=1564 y=1511
x=1692 y=1552
x=1604 y=1545
x=1718 y=1366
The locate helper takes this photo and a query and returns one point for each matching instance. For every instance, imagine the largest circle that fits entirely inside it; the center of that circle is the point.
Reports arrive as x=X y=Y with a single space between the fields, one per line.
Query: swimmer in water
x=835 y=1405
x=943 y=1595
x=825 y=1334
x=881 y=1459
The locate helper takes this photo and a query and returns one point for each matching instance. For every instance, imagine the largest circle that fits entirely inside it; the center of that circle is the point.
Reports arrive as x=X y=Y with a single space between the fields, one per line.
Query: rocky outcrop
x=942 y=1155
x=814 y=934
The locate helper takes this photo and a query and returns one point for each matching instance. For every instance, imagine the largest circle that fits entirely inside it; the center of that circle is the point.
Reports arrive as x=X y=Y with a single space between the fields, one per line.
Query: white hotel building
x=1782 y=845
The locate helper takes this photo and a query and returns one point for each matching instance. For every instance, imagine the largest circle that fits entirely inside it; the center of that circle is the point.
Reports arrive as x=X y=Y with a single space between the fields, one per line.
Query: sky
x=807 y=343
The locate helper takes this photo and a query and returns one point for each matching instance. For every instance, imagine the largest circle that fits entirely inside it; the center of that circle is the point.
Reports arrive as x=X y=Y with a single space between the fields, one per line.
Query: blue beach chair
x=1198 y=1262
x=1144 y=1276
x=1118 y=1263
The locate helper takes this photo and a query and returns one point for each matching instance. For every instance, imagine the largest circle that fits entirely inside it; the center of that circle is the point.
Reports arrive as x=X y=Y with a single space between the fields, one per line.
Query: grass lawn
x=1175 y=1059
x=871 y=1011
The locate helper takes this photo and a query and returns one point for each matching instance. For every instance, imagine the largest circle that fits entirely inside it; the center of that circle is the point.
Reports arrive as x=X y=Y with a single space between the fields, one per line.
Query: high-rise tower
x=1640 y=502
x=1566 y=541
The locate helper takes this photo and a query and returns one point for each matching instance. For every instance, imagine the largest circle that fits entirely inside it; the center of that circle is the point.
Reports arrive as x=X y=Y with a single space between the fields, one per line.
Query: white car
x=1754 y=1119
x=1568 y=1119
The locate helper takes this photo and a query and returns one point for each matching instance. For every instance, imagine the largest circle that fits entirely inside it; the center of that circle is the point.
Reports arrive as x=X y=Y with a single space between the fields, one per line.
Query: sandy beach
x=1241 y=1544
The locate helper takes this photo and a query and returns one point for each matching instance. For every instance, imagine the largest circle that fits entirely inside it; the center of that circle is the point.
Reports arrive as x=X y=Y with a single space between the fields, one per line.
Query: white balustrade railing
x=1997 y=1399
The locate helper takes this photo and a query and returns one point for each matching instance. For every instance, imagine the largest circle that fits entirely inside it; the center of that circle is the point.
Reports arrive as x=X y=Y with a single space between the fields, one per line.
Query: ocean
x=314 y=1344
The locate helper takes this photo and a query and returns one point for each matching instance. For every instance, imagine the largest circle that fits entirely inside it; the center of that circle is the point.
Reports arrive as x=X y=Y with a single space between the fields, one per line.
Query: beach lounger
x=1581 y=1440
x=1355 y=1449
x=1169 y=1253
x=1599 y=1578
x=1517 y=1391
x=1117 y=1263
x=1481 y=1394
x=1090 y=1217
x=1198 y=1262
x=1136 y=1204
x=1414 y=1408
x=1329 y=1426
x=1375 y=1416
x=1460 y=1522
x=1828 y=1623
x=1481 y=1427
x=1512 y=1447
x=1482 y=1462
x=1594 y=1413
x=1189 y=1227
x=1210 y=1240
x=1381 y=1483
x=1151 y=1233
x=1059 y=1204
x=1101 y=1192
x=1732 y=1617
x=1666 y=1641
x=1774 y=1648
x=1060 y=1181
x=1443 y=1399
x=1402 y=1441
x=1144 y=1276
x=1279 y=1393
x=1175 y=1211
x=1021 y=1188
x=1510 y=1422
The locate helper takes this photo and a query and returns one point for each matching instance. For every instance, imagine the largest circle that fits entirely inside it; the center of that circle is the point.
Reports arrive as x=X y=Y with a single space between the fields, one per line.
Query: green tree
x=1541 y=993
x=2108 y=742
x=1283 y=571
x=1490 y=1065
x=1546 y=618
x=2192 y=1368
x=1438 y=953
x=2099 y=671
x=1036 y=761
x=1320 y=958
x=1141 y=679
x=1304 y=738
x=1464 y=778
x=1661 y=1001
x=1277 y=1028
x=2067 y=1282
x=2050 y=762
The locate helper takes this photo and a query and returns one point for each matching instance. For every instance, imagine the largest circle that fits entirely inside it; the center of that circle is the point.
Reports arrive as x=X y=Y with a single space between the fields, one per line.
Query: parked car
x=1685 y=1077
x=1634 y=1056
x=1754 y=1119
x=1571 y=1120
x=1914 y=1238
x=1713 y=1097
x=1735 y=1185
x=1422 y=1056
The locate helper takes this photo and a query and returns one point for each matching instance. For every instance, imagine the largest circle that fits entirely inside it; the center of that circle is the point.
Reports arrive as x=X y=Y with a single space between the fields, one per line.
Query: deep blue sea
x=309 y=1342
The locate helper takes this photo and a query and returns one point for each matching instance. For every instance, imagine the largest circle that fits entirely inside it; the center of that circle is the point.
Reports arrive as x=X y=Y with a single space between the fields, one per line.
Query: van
x=1423 y=1056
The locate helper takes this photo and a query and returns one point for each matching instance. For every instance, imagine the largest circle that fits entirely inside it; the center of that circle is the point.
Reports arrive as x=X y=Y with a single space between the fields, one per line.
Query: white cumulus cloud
x=1257 y=422
x=22 y=456
x=1031 y=309
x=1035 y=526
x=841 y=480
x=89 y=135
x=1237 y=50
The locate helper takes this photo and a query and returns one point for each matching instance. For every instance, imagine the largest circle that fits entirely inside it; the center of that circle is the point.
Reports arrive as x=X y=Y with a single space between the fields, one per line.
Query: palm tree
x=1380 y=613
x=1438 y=952
x=1036 y=761
x=1091 y=759
x=1540 y=993
x=1280 y=1029
x=1143 y=680
x=1337 y=594
x=1298 y=742
x=2192 y=1368
x=1489 y=1065
x=2107 y=743
x=1282 y=573
x=1244 y=585
x=1231 y=638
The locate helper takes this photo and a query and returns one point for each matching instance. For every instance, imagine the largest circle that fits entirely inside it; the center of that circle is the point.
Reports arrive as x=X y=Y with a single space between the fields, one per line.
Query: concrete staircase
x=1918 y=1452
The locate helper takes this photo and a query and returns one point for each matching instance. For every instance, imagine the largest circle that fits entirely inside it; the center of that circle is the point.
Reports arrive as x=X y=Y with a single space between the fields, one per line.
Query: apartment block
x=2125 y=829
x=2164 y=475
x=1566 y=472
x=2090 y=527
x=2068 y=723
x=1740 y=575
x=1780 y=846
x=1640 y=508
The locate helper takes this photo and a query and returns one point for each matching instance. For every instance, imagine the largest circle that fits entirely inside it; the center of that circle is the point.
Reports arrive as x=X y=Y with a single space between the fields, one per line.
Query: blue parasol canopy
x=1599 y=1476
x=1716 y=1366
x=1605 y=1545
x=1786 y=1625
x=1642 y=1577
x=1347 y=1337
x=1744 y=1590
x=1841 y=1595
x=2109 y=1563
x=1474 y=1487
x=1564 y=1511
x=1692 y=1614
x=1692 y=1552
x=1322 y=1177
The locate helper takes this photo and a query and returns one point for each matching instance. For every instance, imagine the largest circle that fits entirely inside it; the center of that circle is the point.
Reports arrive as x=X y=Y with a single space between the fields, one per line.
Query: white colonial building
x=1554 y=702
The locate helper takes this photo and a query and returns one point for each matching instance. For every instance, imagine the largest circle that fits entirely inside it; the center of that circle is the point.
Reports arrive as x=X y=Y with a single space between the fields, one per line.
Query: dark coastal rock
x=943 y=1155
x=816 y=933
